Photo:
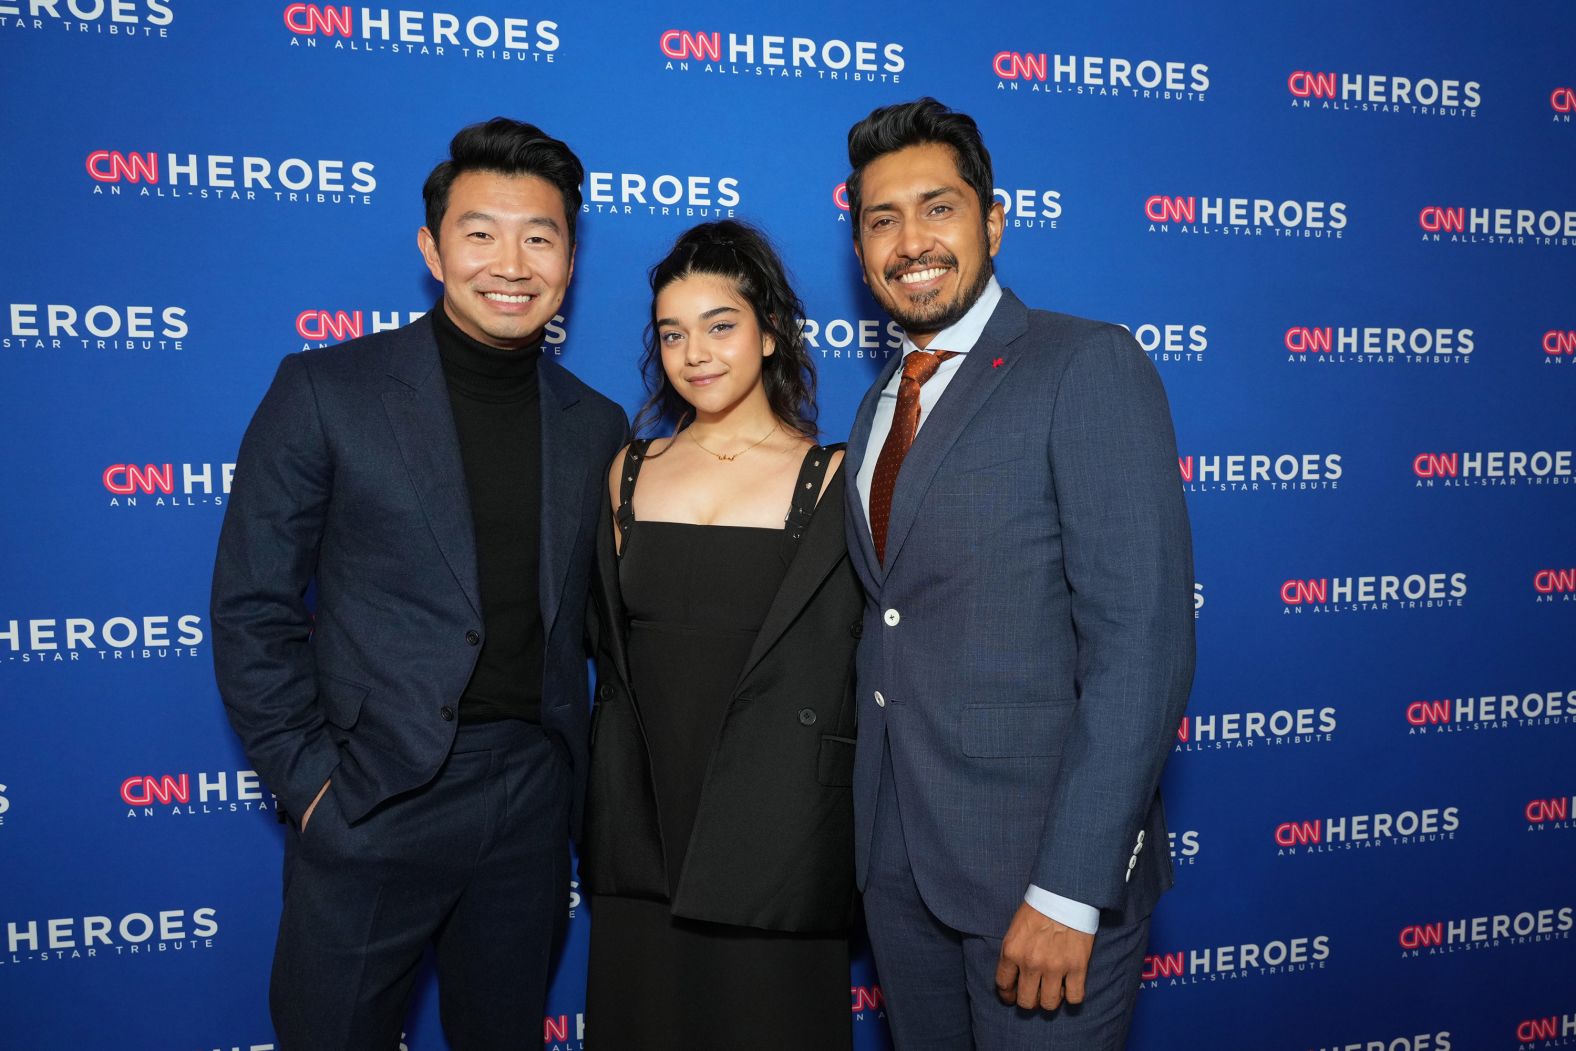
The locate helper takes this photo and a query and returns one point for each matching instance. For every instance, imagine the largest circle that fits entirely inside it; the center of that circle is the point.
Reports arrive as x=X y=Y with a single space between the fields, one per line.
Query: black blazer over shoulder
x=772 y=843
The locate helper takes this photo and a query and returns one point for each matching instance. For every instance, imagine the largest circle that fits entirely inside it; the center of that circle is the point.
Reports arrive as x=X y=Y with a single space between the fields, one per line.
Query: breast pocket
x=1015 y=731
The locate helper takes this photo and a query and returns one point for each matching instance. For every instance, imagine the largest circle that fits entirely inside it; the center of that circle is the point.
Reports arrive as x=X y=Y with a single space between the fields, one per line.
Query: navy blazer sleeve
x=267 y=555
x=1128 y=560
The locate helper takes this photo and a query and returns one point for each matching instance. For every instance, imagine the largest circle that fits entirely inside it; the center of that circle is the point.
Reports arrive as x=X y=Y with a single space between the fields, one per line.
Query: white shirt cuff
x=1065 y=911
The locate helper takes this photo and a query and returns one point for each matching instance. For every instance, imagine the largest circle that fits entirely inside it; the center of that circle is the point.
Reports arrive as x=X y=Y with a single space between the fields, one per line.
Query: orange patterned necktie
x=918 y=367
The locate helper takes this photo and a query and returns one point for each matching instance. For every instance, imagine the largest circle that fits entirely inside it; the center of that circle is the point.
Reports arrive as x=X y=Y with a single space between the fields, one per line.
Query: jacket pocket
x=1001 y=731
x=835 y=765
x=341 y=699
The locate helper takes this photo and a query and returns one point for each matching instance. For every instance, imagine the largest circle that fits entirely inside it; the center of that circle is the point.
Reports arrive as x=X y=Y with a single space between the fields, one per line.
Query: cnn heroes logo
x=1260 y=472
x=1378 y=345
x=1023 y=208
x=1559 y=346
x=173 y=795
x=1476 y=933
x=1233 y=962
x=1542 y=815
x=62 y=326
x=1245 y=217
x=71 y=640
x=782 y=57
x=1459 y=224
x=192 y=177
x=321 y=327
x=1099 y=76
x=1326 y=835
x=1439 y=1041
x=564 y=1032
x=196 y=484
x=435 y=34
x=1563 y=102
x=1451 y=470
x=850 y=339
x=91 y=937
x=118 y=18
x=687 y=196
x=1226 y=731
x=1373 y=594
x=1490 y=711
x=1173 y=342
x=1554 y=585
x=1548 y=1031
x=1384 y=93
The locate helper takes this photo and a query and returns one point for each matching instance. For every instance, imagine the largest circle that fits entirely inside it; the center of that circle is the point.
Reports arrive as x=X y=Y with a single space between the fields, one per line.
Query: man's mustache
x=922 y=263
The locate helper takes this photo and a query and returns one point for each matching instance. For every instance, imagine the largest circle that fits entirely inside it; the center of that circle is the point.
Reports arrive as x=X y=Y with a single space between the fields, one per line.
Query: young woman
x=718 y=849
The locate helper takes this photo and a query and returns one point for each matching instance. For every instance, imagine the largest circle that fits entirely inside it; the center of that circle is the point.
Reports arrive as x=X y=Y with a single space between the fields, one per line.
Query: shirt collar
x=960 y=336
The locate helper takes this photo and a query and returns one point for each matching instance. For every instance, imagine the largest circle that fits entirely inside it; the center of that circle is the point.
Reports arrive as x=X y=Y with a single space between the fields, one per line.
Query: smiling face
x=503 y=255
x=712 y=346
x=923 y=244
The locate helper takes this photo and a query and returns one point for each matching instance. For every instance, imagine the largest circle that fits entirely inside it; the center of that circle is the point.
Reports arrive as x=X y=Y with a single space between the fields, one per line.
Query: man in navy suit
x=425 y=726
x=1017 y=519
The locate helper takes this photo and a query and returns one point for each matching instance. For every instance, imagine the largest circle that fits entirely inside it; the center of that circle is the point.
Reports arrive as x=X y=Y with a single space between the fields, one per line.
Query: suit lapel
x=860 y=542
x=822 y=545
x=565 y=439
x=610 y=623
x=423 y=422
x=983 y=369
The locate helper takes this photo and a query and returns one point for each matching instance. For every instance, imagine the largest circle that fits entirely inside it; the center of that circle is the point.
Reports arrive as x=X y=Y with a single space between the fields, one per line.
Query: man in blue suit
x=1018 y=522
x=425 y=726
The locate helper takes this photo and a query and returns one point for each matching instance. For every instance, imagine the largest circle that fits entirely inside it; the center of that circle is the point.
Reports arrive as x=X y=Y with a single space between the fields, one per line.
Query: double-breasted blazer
x=772 y=845
x=349 y=477
x=1028 y=643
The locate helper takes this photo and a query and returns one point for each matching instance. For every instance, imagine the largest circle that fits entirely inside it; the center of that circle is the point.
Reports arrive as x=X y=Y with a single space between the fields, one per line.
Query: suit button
x=473 y=637
x=446 y=713
x=806 y=717
x=891 y=617
x=880 y=700
x=605 y=691
x=856 y=629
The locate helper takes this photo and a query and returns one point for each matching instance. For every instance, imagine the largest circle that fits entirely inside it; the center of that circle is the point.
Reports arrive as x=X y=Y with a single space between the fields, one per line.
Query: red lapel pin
x=996 y=364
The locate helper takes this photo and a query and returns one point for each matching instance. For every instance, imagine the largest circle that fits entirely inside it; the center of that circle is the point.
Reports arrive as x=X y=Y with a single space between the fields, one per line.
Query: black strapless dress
x=695 y=597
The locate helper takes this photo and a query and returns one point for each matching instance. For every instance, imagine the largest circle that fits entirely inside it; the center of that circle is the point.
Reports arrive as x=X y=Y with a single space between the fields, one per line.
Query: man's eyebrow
x=535 y=220
x=891 y=206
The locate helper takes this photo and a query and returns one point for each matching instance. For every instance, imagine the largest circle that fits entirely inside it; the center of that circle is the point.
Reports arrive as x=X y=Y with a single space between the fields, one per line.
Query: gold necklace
x=732 y=456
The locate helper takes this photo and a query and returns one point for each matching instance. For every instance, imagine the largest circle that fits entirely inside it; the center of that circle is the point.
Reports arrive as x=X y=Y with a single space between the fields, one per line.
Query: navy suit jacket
x=350 y=476
x=1031 y=634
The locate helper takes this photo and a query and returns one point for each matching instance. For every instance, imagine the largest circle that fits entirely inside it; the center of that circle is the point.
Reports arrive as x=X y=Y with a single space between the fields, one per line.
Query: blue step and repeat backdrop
x=1345 y=234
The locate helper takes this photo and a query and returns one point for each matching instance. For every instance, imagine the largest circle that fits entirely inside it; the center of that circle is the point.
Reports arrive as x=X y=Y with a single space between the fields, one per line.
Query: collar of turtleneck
x=478 y=371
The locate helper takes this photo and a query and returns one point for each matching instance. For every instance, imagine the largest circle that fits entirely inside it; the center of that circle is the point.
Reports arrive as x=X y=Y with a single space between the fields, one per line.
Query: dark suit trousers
x=940 y=983
x=476 y=862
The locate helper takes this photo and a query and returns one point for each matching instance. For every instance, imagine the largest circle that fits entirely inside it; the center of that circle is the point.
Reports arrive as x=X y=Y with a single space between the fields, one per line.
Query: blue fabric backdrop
x=1346 y=234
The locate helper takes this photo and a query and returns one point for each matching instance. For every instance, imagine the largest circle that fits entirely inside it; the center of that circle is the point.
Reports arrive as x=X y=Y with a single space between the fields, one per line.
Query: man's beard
x=931 y=316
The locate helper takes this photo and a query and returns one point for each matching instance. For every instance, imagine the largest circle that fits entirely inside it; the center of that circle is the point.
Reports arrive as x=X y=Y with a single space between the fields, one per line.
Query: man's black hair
x=897 y=127
x=508 y=147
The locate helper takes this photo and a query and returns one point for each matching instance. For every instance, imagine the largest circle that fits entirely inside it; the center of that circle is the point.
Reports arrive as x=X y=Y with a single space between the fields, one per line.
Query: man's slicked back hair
x=897 y=127
x=507 y=147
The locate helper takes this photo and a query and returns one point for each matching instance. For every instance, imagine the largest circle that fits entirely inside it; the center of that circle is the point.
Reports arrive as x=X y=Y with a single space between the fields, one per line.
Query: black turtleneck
x=499 y=419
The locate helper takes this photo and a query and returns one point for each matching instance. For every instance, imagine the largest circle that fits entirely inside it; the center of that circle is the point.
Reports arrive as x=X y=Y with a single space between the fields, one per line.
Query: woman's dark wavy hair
x=741 y=254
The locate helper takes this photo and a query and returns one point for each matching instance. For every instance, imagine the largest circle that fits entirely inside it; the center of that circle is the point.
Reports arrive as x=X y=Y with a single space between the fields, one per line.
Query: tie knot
x=920 y=365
